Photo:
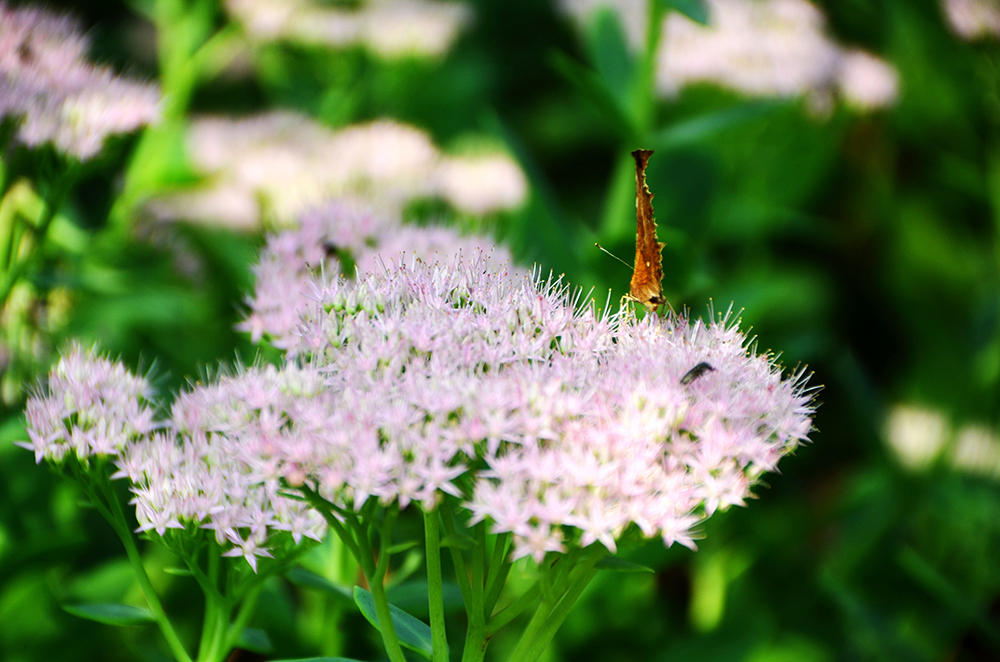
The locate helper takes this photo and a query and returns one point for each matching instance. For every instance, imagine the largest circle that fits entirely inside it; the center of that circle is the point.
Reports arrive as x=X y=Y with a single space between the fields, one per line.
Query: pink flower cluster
x=197 y=472
x=46 y=81
x=188 y=471
x=584 y=421
x=330 y=240
x=554 y=422
x=90 y=406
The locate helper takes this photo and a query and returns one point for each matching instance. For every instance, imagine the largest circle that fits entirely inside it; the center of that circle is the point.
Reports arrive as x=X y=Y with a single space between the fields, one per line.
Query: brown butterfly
x=648 y=270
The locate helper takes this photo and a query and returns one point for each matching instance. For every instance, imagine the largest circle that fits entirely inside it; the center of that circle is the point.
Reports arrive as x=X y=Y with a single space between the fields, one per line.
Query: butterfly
x=648 y=270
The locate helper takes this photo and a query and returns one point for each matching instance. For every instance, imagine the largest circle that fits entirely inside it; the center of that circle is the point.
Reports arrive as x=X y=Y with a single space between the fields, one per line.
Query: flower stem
x=116 y=517
x=211 y=601
x=476 y=637
x=435 y=587
x=498 y=572
x=19 y=263
x=514 y=609
x=242 y=616
x=579 y=578
x=375 y=573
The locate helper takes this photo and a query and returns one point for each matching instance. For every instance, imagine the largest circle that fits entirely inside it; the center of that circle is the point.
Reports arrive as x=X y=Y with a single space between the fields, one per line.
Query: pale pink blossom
x=57 y=96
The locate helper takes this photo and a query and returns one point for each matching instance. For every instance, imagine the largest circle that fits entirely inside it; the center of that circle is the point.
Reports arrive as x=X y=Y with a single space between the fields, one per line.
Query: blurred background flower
x=55 y=95
x=273 y=167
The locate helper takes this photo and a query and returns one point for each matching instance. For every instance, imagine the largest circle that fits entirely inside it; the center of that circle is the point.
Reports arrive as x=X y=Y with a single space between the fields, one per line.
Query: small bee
x=695 y=372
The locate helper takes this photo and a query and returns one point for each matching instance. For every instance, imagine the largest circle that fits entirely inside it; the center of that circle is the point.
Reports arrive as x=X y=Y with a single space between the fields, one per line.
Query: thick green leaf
x=615 y=564
x=696 y=10
x=306 y=579
x=412 y=632
x=321 y=659
x=111 y=614
x=254 y=640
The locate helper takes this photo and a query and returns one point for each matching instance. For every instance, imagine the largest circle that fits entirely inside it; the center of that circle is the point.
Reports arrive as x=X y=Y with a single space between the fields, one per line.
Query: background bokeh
x=859 y=235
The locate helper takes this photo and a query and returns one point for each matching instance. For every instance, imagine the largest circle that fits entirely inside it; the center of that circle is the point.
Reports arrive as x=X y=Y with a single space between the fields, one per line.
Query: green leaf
x=458 y=541
x=696 y=10
x=254 y=640
x=413 y=633
x=320 y=659
x=111 y=614
x=615 y=564
x=306 y=579
x=590 y=85
x=402 y=547
x=611 y=58
x=703 y=127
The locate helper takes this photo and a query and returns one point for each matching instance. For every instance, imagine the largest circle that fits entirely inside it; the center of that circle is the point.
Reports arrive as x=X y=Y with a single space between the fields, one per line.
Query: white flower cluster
x=770 y=48
x=277 y=166
x=389 y=28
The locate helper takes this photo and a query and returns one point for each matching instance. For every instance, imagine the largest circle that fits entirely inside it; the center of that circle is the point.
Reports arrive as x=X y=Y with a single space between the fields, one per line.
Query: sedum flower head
x=555 y=423
x=332 y=239
x=90 y=406
x=57 y=96
x=196 y=473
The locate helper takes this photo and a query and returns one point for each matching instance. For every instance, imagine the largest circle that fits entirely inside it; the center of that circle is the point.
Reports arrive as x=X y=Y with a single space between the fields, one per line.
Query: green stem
x=376 y=584
x=476 y=636
x=119 y=523
x=216 y=649
x=514 y=609
x=56 y=195
x=213 y=600
x=435 y=586
x=461 y=569
x=243 y=616
x=498 y=572
x=579 y=579
x=534 y=627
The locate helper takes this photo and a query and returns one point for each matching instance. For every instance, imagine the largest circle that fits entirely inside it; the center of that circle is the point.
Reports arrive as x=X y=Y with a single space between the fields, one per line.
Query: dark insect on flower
x=696 y=372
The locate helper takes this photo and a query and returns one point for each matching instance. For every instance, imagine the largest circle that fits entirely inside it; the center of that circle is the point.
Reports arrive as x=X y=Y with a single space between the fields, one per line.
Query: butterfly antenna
x=613 y=255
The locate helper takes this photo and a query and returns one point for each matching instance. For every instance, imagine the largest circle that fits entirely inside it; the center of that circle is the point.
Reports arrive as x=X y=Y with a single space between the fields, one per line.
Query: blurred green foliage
x=864 y=245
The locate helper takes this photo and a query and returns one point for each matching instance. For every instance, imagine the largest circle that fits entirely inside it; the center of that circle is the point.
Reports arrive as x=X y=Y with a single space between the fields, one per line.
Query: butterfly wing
x=648 y=270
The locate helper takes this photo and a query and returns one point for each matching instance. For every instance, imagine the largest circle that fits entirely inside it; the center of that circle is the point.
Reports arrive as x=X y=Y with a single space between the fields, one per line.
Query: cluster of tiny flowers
x=585 y=423
x=771 y=48
x=389 y=28
x=188 y=471
x=624 y=438
x=277 y=166
x=58 y=97
x=196 y=474
x=328 y=241
x=972 y=19
x=90 y=406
